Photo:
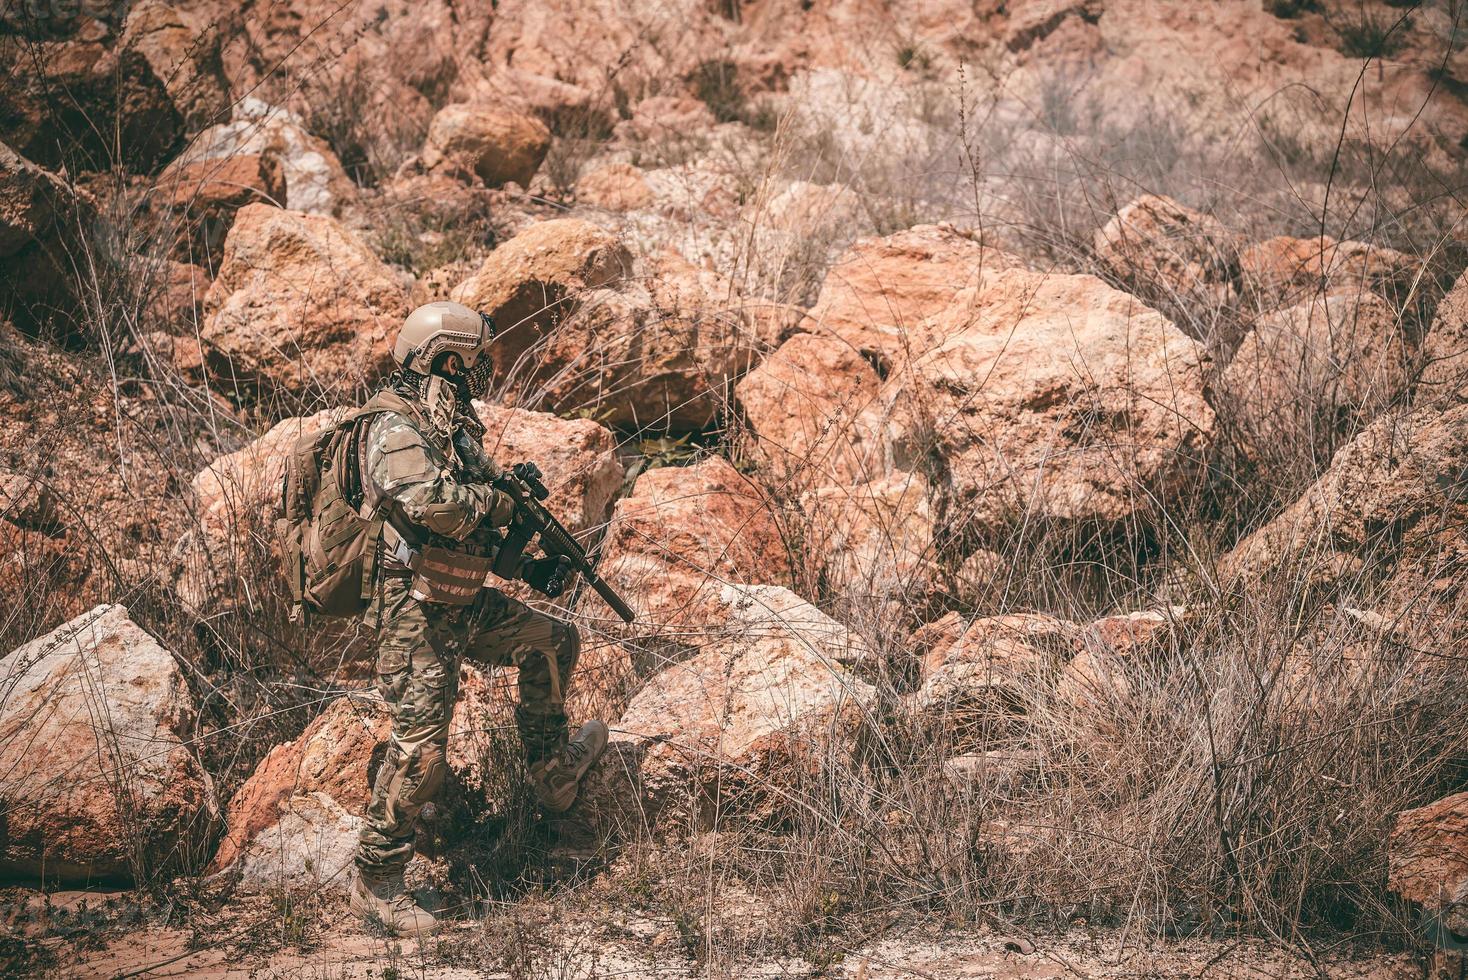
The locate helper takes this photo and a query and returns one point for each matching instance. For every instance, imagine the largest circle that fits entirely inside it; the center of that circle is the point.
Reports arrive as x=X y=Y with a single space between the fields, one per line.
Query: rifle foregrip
x=554 y=538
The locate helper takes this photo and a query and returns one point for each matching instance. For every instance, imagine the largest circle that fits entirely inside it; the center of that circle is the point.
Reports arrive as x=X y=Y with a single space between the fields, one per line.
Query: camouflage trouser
x=418 y=649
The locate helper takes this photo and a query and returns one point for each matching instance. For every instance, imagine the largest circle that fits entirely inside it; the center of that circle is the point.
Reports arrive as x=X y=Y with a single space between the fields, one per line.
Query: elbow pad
x=449 y=519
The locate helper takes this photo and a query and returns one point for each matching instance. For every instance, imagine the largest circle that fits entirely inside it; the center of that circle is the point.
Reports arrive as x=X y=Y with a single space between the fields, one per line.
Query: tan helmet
x=443 y=326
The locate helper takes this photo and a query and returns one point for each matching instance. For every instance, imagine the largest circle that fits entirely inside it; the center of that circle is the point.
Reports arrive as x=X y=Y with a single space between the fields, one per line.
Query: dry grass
x=1237 y=777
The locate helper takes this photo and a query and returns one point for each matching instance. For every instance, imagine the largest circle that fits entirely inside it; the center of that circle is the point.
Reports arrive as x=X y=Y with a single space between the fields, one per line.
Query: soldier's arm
x=403 y=467
x=476 y=461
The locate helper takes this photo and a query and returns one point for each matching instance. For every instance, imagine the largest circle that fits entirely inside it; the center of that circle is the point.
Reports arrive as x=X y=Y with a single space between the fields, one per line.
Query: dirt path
x=262 y=942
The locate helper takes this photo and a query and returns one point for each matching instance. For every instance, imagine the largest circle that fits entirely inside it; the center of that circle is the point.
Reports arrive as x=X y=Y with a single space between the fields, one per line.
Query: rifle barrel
x=612 y=599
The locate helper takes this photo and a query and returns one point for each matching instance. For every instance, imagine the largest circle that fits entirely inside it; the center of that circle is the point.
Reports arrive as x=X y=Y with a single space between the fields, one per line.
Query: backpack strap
x=296 y=562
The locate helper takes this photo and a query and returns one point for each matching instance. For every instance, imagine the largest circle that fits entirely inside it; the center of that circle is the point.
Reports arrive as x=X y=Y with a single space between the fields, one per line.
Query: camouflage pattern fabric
x=437 y=475
x=419 y=648
x=430 y=480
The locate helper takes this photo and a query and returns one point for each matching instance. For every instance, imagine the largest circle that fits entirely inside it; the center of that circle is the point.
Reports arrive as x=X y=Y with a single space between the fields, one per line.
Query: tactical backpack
x=329 y=548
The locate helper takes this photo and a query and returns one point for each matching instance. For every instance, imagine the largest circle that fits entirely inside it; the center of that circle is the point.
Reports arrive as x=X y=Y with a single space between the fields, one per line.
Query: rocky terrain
x=1033 y=436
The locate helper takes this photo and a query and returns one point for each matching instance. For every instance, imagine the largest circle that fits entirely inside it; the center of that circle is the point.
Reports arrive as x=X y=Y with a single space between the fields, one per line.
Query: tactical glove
x=547 y=575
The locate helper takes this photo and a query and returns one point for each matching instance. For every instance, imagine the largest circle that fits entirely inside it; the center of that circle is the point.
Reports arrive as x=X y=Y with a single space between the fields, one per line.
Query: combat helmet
x=436 y=328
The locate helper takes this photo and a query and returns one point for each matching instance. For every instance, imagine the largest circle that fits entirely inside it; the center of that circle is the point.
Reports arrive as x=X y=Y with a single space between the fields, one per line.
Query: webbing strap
x=371 y=549
x=296 y=561
x=555 y=676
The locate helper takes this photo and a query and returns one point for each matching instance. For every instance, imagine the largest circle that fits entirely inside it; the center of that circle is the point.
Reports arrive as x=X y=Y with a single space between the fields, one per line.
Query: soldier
x=424 y=463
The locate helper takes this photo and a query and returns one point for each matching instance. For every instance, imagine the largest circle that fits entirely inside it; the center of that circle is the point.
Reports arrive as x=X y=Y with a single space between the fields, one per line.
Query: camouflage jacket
x=437 y=477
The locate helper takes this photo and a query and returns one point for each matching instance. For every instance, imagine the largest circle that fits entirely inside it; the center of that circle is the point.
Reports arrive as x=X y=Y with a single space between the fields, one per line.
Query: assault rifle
x=522 y=483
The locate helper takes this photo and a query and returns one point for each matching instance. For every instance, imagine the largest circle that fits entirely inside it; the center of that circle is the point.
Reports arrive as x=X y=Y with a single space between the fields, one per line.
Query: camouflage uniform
x=439 y=483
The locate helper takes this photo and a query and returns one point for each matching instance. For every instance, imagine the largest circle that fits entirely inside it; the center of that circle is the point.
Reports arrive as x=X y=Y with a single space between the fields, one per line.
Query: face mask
x=476 y=378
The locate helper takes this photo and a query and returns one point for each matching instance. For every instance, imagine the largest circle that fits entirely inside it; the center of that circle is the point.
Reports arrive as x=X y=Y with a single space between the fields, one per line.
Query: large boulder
x=369 y=75
x=297 y=817
x=1335 y=354
x=1428 y=859
x=1051 y=397
x=496 y=144
x=880 y=295
x=579 y=334
x=578 y=458
x=184 y=53
x=660 y=352
x=201 y=199
x=301 y=306
x=116 y=111
x=1444 y=356
x=737 y=725
x=314 y=179
x=1385 y=512
x=27 y=502
x=100 y=780
x=813 y=410
x=873 y=541
x=1168 y=251
x=44 y=228
x=531 y=283
x=980 y=676
x=129 y=97
x=1286 y=268
x=567 y=108
x=614 y=187
x=680 y=536
x=602 y=45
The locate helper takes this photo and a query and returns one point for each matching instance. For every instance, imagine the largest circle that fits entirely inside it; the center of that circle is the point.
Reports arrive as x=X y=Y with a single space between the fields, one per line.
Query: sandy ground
x=91 y=935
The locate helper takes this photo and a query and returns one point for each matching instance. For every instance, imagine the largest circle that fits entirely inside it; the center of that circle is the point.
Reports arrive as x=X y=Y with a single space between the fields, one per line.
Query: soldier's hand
x=547 y=575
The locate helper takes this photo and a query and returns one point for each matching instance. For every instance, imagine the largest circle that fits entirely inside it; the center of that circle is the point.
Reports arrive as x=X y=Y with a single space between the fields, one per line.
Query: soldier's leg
x=418 y=676
x=545 y=649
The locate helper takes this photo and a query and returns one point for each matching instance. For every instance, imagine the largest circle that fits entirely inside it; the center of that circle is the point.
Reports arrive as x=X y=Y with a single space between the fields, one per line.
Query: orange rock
x=979 y=675
x=177 y=297
x=873 y=541
x=1444 y=356
x=814 y=410
x=1052 y=396
x=1168 y=250
x=301 y=307
x=99 y=777
x=297 y=817
x=614 y=187
x=1289 y=266
x=1394 y=496
x=739 y=719
x=1335 y=353
x=496 y=144
x=1429 y=854
x=881 y=295
x=532 y=282
x=204 y=196
x=682 y=534
x=580 y=334
x=577 y=456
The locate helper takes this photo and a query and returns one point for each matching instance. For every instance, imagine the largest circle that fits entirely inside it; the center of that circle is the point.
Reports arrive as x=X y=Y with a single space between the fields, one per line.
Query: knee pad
x=426 y=771
x=568 y=649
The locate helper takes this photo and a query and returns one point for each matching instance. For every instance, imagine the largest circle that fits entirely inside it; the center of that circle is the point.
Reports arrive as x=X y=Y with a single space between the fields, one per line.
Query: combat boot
x=556 y=780
x=386 y=900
